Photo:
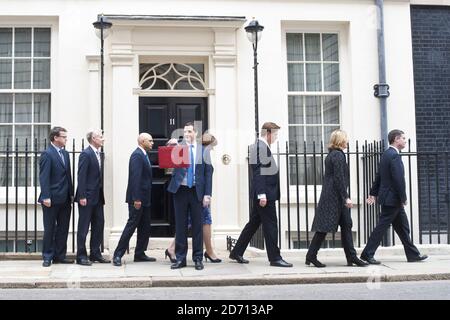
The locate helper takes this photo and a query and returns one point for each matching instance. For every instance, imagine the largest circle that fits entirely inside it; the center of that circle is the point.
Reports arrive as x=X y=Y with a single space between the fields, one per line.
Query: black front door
x=161 y=117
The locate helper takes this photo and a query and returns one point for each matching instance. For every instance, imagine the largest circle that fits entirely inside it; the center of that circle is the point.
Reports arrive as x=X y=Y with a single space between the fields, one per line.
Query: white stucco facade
x=223 y=47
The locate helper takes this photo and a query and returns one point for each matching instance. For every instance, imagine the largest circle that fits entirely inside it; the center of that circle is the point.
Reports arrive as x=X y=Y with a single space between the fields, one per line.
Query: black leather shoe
x=418 y=259
x=356 y=261
x=239 y=259
x=99 y=259
x=280 y=263
x=178 y=265
x=144 y=258
x=370 y=260
x=84 y=262
x=117 y=261
x=63 y=261
x=315 y=262
x=198 y=265
x=167 y=254
x=47 y=263
x=207 y=256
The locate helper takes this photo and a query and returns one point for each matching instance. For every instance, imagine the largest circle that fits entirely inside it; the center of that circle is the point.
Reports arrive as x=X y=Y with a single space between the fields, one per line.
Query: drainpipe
x=381 y=90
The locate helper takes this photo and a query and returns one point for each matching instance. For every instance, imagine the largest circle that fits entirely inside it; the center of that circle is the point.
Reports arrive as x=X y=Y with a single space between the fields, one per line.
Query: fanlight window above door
x=172 y=76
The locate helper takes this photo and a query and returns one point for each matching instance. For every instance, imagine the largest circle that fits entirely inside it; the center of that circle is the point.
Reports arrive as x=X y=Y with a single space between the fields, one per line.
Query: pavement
x=26 y=271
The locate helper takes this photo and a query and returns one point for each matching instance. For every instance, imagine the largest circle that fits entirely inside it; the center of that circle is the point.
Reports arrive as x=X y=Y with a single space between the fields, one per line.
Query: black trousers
x=140 y=220
x=90 y=215
x=268 y=217
x=345 y=222
x=399 y=220
x=56 y=230
x=185 y=202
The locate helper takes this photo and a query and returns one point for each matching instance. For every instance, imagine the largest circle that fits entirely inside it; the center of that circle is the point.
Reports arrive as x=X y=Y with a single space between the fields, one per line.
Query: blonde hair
x=338 y=140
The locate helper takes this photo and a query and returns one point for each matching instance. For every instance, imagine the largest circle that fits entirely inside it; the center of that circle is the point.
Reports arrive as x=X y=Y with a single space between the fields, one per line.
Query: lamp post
x=102 y=28
x=254 y=30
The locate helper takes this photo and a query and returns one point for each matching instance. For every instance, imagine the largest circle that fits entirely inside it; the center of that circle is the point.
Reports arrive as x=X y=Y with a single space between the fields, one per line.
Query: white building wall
x=75 y=70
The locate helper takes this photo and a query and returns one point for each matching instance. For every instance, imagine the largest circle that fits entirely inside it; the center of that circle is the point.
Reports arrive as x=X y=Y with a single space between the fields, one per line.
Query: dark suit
x=265 y=180
x=390 y=188
x=189 y=201
x=90 y=187
x=56 y=184
x=139 y=189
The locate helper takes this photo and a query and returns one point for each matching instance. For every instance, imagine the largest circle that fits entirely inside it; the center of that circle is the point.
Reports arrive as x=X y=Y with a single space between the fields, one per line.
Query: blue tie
x=190 y=172
x=146 y=157
x=62 y=157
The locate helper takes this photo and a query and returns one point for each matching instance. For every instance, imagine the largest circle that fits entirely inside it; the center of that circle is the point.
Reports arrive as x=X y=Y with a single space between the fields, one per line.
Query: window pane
x=313 y=77
x=295 y=77
x=312 y=110
x=42 y=42
x=23 y=107
x=23 y=133
x=331 y=76
x=41 y=74
x=3 y=171
x=294 y=46
x=41 y=134
x=296 y=135
x=330 y=110
x=314 y=173
x=312 y=47
x=313 y=136
x=5 y=134
x=22 y=74
x=22 y=42
x=327 y=130
x=41 y=107
x=23 y=170
x=5 y=74
x=6 y=107
x=295 y=110
x=5 y=42
x=330 y=47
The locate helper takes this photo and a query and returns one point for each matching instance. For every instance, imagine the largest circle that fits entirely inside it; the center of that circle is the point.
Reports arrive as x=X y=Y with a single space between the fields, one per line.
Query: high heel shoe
x=357 y=261
x=167 y=254
x=315 y=262
x=211 y=259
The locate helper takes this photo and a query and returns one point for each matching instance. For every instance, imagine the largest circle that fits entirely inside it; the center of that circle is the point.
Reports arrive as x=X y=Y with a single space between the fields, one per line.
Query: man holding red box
x=191 y=188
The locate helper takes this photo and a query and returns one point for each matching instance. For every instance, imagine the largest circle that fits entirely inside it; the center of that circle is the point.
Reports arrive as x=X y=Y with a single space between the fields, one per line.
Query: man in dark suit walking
x=265 y=191
x=390 y=188
x=192 y=189
x=90 y=200
x=138 y=197
x=56 y=197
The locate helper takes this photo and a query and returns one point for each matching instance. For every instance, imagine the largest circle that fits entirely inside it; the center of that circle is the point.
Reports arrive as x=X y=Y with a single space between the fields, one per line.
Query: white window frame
x=31 y=22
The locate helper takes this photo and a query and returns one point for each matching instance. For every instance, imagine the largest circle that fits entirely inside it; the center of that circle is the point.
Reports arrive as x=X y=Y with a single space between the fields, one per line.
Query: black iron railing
x=21 y=228
x=301 y=171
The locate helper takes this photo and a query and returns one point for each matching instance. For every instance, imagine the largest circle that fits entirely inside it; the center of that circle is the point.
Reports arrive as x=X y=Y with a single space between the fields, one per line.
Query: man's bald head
x=145 y=140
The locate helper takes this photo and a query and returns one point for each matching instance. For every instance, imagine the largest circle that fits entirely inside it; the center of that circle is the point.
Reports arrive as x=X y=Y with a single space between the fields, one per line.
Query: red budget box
x=173 y=157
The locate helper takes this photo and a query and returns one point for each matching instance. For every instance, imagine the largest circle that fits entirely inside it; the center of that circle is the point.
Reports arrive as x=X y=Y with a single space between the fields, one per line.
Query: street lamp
x=254 y=31
x=102 y=30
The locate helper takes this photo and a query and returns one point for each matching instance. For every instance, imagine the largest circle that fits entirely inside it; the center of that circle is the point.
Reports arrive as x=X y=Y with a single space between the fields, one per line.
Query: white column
x=224 y=114
x=122 y=139
x=94 y=91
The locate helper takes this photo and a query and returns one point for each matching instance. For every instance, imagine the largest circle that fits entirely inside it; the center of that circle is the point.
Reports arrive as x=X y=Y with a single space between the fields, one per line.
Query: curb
x=168 y=282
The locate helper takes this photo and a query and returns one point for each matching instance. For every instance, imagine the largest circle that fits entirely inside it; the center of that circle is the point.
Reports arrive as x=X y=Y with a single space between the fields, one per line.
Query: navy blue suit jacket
x=203 y=174
x=139 y=179
x=389 y=185
x=54 y=177
x=264 y=172
x=89 y=178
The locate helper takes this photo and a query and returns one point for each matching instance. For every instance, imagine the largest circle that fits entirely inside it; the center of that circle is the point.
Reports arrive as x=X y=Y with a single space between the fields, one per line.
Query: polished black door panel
x=160 y=117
